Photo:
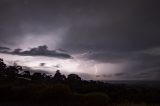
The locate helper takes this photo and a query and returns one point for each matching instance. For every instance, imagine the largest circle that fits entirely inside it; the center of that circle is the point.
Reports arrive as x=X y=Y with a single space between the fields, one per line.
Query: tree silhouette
x=37 y=76
x=73 y=77
x=58 y=76
x=19 y=68
x=2 y=66
x=26 y=74
x=11 y=71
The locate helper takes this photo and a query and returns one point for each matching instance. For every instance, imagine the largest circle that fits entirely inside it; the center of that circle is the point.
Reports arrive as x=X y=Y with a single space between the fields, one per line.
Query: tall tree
x=58 y=76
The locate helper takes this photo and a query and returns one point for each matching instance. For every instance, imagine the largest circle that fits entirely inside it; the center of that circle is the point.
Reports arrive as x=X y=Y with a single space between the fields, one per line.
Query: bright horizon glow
x=76 y=65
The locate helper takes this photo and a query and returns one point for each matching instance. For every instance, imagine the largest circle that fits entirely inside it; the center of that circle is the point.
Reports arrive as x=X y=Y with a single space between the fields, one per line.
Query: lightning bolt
x=96 y=69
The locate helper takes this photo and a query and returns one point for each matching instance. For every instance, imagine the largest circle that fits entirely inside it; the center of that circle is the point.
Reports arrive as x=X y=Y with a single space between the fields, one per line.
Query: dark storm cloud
x=97 y=25
x=116 y=31
x=106 y=56
x=117 y=26
x=113 y=31
x=40 y=51
x=143 y=66
x=4 y=48
x=22 y=17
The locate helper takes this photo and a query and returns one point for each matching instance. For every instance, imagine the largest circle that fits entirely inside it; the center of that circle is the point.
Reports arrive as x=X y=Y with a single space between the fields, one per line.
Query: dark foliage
x=73 y=77
x=17 y=85
x=58 y=77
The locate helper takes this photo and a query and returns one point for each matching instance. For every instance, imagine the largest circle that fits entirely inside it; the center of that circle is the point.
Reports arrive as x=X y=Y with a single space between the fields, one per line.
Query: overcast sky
x=105 y=39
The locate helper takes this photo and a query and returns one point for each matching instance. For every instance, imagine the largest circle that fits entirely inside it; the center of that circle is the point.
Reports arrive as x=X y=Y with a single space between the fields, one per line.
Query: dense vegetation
x=19 y=86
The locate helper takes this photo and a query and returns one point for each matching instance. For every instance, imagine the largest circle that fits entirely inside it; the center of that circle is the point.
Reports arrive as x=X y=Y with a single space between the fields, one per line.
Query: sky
x=98 y=39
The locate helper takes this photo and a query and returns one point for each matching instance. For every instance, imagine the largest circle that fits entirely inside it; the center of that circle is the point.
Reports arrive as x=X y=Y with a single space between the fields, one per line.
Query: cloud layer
x=4 y=48
x=105 y=31
x=40 y=51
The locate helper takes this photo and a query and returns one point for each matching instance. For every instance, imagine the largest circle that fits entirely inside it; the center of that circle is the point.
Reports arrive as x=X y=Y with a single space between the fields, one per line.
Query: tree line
x=17 y=71
x=18 y=85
